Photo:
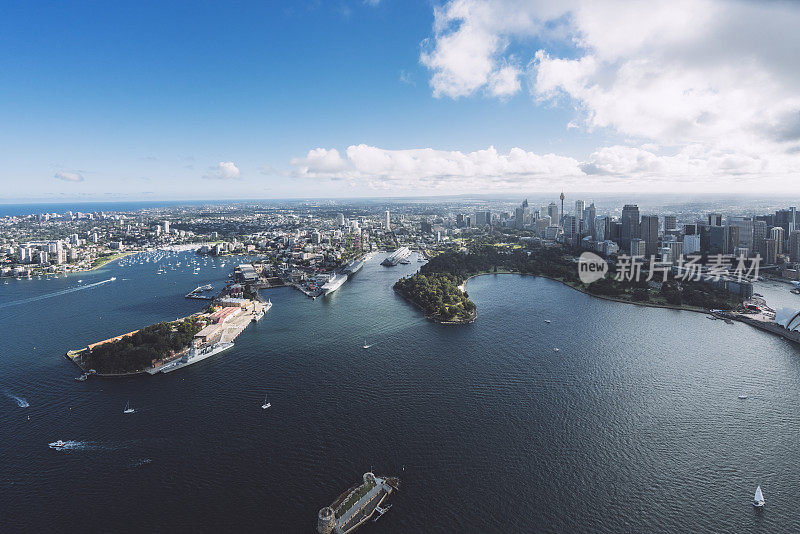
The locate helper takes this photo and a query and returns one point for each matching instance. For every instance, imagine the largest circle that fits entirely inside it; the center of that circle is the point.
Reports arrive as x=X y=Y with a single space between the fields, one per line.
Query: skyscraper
x=562 y=208
x=589 y=215
x=649 y=233
x=778 y=235
x=388 y=220
x=630 y=225
x=552 y=211
x=580 y=205
x=670 y=223
x=794 y=246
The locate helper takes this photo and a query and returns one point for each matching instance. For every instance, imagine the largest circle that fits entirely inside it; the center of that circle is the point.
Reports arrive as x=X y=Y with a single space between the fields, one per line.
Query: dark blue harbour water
x=632 y=426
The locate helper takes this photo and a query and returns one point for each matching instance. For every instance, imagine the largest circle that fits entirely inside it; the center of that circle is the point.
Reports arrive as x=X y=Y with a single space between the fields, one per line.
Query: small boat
x=555 y=349
x=381 y=511
x=743 y=396
x=758 y=499
x=266 y=404
x=128 y=408
x=113 y=278
x=83 y=377
x=547 y=321
x=79 y=281
x=58 y=445
x=365 y=344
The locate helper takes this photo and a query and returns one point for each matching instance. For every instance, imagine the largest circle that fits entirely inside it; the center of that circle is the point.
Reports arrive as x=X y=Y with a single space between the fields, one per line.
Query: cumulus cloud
x=430 y=169
x=718 y=74
x=224 y=170
x=68 y=176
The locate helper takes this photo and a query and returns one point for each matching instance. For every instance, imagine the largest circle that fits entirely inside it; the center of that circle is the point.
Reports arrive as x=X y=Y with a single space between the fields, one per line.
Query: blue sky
x=174 y=100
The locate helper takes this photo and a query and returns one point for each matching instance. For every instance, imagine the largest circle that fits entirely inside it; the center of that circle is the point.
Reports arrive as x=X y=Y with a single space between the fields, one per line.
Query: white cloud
x=224 y=170
x=68 y=176
x=428 y=169
x=714 y=82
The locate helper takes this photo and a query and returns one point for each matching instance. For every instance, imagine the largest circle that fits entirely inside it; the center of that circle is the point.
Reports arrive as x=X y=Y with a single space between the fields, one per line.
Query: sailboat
x=266 y=404
x=365 y=344
x=758 y=500
x=128 y=408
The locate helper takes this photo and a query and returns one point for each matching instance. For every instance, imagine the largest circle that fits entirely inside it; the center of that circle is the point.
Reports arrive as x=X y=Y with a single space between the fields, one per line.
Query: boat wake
x=56 y=293
x=141 y=463
x=74 y=445
x=22 y=403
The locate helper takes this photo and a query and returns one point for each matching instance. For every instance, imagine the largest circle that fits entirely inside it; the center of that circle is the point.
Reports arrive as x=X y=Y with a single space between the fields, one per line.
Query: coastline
x=603 y=297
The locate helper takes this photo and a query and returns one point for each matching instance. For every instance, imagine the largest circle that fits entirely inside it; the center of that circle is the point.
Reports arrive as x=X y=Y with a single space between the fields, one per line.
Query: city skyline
x=383 y=99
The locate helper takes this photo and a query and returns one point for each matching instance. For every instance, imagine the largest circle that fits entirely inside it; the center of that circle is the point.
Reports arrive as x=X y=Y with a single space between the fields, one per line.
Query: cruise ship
x=334 y=283
x=396 y=257
x=353 y=267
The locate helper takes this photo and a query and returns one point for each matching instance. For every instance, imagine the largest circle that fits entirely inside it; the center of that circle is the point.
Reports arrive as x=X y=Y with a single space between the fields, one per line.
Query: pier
x=197 y=293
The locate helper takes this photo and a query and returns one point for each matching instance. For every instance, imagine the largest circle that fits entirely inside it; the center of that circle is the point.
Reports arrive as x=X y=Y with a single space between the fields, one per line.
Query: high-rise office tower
x=388 y=222
x=552 y=211
x=779 y=235
x=630 y=225
x=649 y=233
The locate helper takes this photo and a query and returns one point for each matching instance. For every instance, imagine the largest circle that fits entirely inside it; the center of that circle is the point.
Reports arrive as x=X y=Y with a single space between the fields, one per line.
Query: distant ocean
x=63 y=207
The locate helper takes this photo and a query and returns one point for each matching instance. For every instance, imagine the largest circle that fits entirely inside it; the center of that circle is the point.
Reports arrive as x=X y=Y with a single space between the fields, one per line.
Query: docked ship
x=194 y=356
x=334 y=283
x=396 y=257
x=258 y=316
x=353 y=267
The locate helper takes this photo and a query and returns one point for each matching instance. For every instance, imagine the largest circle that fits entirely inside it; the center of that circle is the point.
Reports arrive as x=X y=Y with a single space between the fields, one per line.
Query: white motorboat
x=555 y=349
x=743 y=396
x=58 y=445
x=758 y=499
x=266 y=404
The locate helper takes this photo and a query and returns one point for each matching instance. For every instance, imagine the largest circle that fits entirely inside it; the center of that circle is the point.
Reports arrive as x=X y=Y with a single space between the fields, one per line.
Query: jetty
x=197 y=293
x=356 y=505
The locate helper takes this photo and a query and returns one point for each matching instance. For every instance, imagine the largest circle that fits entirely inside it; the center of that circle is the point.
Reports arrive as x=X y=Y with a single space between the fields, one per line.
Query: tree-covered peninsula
x=137 y=351
x=435 y=288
